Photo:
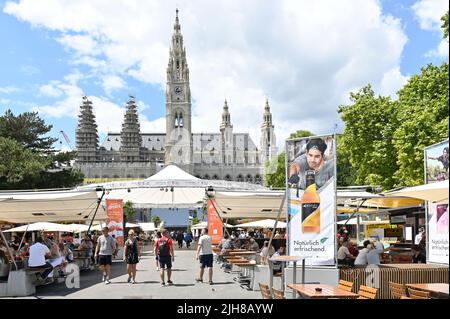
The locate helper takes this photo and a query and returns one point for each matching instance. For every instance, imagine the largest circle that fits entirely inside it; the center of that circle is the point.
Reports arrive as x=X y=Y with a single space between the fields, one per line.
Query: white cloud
x=305 y=56
x=429 y=13
x=4 y=101
x=29 y=70
x=440 y=52
x=112 y=83
x=9 y=89
x=51 y=90
x=392 y=81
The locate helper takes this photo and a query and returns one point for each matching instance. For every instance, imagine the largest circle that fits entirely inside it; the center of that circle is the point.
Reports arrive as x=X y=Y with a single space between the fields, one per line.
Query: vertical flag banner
x=311 y=194
x=114 y=220
x=215 y=227
x=436 y=170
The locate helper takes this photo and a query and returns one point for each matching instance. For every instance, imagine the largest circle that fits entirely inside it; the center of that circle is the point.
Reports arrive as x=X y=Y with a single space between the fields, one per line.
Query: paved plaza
x=185 y=270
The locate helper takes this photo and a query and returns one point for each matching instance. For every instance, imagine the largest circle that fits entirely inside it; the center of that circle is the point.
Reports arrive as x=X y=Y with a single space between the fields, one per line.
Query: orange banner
x=215 y=227
x=114 y=219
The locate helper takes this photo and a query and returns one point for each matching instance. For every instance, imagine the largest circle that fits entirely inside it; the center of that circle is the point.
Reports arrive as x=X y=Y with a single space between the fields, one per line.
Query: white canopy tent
x=434 y=192
x=147 y=226
x=170 y=187
x=265 y=223
x=203 y=225
x=39 y=226
x=49 y=206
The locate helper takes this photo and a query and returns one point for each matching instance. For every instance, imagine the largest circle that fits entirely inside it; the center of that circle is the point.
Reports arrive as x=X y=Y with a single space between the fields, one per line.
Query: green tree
x=156 y=220
x=275 y=172
x=345 y=173
x=18 y=164
x=367 y=139
x=28 y=129
x=301 y=133
x=129 y=213
x=422 y=119
x=444 y=25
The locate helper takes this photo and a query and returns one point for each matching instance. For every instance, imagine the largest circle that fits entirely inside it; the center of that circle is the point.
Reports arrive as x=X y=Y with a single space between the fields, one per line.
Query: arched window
x=240 y=178
x=215 y=177
x=249 y=179
x=228 y=177
x=258 y=179
x=206 y=176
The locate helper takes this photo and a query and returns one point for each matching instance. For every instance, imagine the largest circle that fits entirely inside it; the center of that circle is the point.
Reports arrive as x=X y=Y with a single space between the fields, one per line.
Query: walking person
x=106 y=248
x=205 y=255
x=131 y=255
x=188 y=240
x=155 y=240
x=180 y=238
x=164 y=252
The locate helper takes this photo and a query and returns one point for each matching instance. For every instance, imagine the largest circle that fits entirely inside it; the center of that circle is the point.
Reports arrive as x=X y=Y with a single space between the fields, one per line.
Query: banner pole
x=99 y=201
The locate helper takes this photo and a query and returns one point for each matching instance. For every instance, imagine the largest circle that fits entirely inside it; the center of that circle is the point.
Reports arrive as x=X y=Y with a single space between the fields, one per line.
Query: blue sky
x=301 y=55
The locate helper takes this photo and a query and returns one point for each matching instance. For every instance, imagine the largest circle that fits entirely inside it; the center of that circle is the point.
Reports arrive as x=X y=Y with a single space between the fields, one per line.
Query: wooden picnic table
x=242 y=253
x=328 y=291
x=437 y=289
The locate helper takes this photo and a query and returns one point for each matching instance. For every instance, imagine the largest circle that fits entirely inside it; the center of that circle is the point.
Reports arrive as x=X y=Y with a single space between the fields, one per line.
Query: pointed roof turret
x=226 y=117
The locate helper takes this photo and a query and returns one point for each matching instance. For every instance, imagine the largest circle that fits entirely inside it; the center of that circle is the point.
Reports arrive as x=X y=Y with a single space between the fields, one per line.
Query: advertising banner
x=311 y=194
x=215 y=227
x=114 y=221
x=436 y=169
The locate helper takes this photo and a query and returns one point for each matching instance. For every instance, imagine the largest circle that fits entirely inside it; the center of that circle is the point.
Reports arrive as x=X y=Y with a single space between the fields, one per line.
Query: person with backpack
x=165 y=255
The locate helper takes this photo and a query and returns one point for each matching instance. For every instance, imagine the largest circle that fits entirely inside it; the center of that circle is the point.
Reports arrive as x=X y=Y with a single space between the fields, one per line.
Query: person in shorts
x=105 y=249
x=165 y=255
x=205 y=255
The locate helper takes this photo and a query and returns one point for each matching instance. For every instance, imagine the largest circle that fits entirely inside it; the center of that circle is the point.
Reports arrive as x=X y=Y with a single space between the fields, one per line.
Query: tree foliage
x=275 y=172
x=422 y=119
x=28 y=160
x=301 y=133
x=444 y=25
x=384 y=139
x=28 y=129
x=18 y=164
x=367 y=138
x=156 y=220
x=129 y=213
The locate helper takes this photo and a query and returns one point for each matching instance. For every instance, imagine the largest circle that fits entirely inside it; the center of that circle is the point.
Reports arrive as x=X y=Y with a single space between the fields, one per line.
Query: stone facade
x=130 y=154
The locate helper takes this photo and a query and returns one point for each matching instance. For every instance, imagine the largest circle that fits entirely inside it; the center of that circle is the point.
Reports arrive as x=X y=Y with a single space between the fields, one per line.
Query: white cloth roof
x=76 y=228
x=131 y=225
x=171 y=172
x=265 y=223
x=38 y=226
x=250 y=204
x=147 y=226
x=434 y=192
x=49 y=206
x=203 y=225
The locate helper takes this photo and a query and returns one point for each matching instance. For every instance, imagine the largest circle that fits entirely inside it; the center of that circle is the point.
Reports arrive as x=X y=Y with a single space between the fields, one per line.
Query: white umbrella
x=131 y=225
x=202 y=225
x=434 y=192
x=147 y=226
x=39 y=226
x=76 y=228
x=265 y=223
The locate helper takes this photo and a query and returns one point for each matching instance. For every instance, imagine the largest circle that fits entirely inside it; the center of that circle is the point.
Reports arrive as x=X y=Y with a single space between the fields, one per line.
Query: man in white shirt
x=205 y=255
x=361 y=259
x=418 y=237
x=344 y=256
x=373 y=256
x=38 y=252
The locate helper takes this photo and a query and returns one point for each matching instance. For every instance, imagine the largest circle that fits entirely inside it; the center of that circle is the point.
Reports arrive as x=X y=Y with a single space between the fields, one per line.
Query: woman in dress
x=131 y=253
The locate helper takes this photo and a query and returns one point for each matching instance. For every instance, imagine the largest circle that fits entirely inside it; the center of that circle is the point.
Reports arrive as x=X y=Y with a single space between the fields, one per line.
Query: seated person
x=237 y=243
x=363 y=253
x=38 y=252
x=352 y=248
x=225 y=243
x=56 y=255
x=266 y=252
x=276 y=265
x=253 y=245
x=344 y=256
x=418 y=257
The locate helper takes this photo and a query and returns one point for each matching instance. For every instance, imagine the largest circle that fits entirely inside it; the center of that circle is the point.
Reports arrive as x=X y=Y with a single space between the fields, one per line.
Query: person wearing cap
x=313 y=159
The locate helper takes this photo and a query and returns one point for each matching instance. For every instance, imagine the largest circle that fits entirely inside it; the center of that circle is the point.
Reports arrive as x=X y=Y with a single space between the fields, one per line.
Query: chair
x=265 y=291
x=278 y=294
x=345 y=285
x=367 y=292
x=397 y=290
x=418 y=294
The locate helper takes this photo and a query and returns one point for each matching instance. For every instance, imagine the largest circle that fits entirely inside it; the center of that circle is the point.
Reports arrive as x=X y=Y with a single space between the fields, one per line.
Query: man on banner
x=313 y=159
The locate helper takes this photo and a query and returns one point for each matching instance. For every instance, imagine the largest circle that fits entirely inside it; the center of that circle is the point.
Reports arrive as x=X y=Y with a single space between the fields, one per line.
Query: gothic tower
x=226 y=135
x=178 y=142
x=86 y=133
x=268 y=141
x=131 y=139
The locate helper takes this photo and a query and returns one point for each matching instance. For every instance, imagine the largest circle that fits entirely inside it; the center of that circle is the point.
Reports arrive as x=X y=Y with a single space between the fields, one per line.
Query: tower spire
x=176 y=26
x=226 y=117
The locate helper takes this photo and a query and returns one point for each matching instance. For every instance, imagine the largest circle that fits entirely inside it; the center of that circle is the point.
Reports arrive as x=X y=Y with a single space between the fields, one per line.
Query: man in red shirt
x=164 y=252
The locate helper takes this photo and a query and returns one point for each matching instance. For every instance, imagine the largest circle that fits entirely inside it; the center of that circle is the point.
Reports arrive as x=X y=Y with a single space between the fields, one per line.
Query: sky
x=304 y=56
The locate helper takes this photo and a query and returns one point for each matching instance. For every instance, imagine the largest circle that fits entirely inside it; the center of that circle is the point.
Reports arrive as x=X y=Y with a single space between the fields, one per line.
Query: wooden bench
x=345 y=285
x=367 y=292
